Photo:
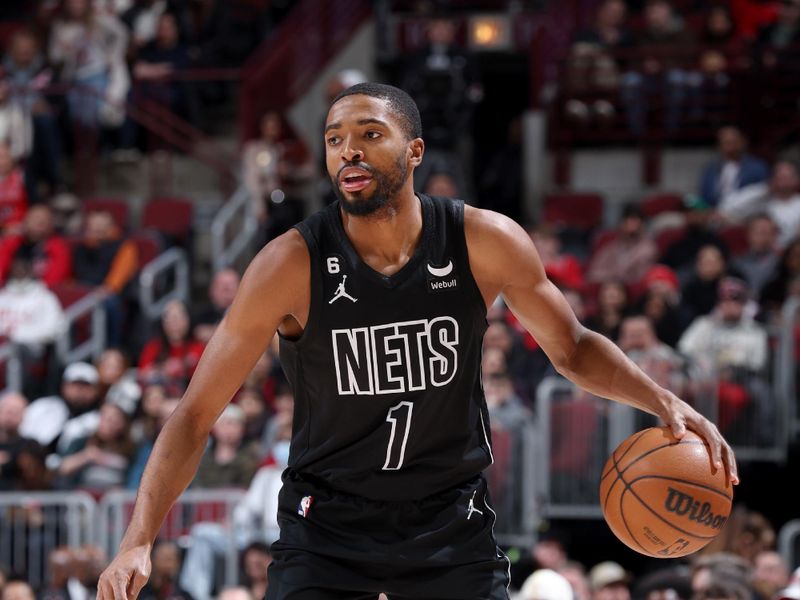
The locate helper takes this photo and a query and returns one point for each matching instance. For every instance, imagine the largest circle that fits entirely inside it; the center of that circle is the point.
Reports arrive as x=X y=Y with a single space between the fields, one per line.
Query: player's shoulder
x=285 y=257
x=482 y=225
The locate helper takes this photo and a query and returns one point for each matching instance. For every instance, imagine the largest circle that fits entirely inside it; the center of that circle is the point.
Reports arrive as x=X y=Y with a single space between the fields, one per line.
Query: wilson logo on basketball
x=684 y=505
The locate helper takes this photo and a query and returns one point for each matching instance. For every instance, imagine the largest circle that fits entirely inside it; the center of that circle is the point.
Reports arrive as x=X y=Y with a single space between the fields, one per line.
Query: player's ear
x=416 y=148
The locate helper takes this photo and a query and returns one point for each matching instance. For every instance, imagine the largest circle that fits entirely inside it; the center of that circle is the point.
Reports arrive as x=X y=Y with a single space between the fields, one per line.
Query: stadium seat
x=665 y=238
x=173 y=217
x=661 y=203
x=118 y=208
x=581 y=211
x=735 y=238
x=69 y=293
x=149 y=245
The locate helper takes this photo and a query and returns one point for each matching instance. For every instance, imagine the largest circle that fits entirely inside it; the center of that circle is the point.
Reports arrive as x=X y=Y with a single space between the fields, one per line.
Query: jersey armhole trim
x=315 y=290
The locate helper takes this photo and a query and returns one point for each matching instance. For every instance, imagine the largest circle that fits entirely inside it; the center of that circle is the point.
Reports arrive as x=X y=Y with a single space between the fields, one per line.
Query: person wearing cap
x=661 y=303
x=70 y=415
x=545 y=584
x=608 y=580
x=732 y=345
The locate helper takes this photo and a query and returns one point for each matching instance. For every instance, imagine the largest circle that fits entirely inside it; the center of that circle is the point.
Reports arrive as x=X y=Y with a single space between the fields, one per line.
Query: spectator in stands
x=158 y=61
x=25 y=69
x=792 y=591
x=236 y=593
x=69 y=416
x=30 y=314
x=598 y=57
x=575 y=573
x=780 y=199
x=505 y=407
x=545 y=584
x=563 y=269
x=112 y=367
x=661 y=304
x=629 y=255
x=104 y=258
x=681 y=254
x=775 y=41
x=221 y=292
x=17 y=589
x=776 y=290
x=16 y=127
x=612 y=306
x=609 y=581
x=12 y=411
x=32 y=472
x=163 y=582
x=274 y=167
x=638 y=340
x=761 y=258
x=142 y=20
x=770 y=574
x=88 y=47
x=155 y=416
x=732 y=170
x=700 y=291
x=733 y=347
x=708 y=570
x=663 y=46
x=13 y=196
x=49 y=253
x=256 y=416
x=256 y=558
x=266 y=377
x=173 y=355
x=227 y=462
x=280 y=422
x=59 y=562
x=100 y=462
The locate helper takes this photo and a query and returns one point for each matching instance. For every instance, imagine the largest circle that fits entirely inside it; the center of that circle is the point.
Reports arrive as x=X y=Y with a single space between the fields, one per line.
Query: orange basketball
x=661 y=497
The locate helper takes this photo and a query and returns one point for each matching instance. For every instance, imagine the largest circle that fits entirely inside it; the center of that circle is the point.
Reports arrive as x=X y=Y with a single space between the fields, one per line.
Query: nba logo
x=305 y=506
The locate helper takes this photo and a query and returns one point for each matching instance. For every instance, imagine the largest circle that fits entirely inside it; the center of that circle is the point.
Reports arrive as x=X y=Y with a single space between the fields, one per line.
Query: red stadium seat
x=661 y=203
x=148 y=244
x=603 y=238
x=118 y=208
x=582 y=211
x=170 y=216
x=574 y=425
x=664 y=239
x=735 y=238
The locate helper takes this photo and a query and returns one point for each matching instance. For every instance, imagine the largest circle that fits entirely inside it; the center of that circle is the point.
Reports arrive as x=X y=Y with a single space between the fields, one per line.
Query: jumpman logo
x=471 y=506
x=342 y=293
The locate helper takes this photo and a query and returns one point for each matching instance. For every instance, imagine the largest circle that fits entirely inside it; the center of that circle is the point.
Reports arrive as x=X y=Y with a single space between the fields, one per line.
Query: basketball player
x=380 y=301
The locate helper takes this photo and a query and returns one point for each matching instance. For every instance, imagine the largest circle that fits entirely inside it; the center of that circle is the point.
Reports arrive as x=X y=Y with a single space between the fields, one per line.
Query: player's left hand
x=679 y=417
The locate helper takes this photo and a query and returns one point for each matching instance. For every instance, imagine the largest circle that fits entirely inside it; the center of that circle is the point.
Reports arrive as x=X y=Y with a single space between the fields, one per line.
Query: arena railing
x=233 y=230
x=789 y=543
x=786 y=364
x=34 y=524
x=10 y=355
x=69 y=346
x=512 y=483
x=162 y=280
x=194 y=508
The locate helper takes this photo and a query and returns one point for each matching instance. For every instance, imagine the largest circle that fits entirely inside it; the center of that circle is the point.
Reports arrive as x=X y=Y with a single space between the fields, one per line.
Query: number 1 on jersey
x=400 y=418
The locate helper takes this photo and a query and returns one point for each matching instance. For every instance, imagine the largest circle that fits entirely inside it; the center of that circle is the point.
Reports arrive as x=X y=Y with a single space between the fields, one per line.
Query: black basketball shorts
x=335 y=546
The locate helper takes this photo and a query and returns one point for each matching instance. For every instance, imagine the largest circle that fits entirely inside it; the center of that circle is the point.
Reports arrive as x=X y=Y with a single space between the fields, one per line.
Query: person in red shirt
x=38 y=243
x=13 y=197
x=173 y=354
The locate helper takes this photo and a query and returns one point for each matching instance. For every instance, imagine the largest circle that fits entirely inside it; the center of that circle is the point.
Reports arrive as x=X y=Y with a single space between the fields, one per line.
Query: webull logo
x=684 y=505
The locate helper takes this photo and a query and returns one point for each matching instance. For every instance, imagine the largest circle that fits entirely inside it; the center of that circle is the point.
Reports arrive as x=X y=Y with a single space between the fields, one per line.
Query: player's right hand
x=125 y=577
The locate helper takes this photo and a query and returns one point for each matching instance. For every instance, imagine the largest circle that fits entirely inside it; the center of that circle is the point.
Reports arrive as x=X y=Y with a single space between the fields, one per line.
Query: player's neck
x=388 y=241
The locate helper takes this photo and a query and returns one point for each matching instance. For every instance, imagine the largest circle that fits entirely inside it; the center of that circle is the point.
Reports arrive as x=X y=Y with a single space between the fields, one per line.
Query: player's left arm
x=504 y=261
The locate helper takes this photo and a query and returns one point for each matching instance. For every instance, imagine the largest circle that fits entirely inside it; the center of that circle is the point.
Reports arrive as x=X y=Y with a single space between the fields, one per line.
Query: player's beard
x=386 y=189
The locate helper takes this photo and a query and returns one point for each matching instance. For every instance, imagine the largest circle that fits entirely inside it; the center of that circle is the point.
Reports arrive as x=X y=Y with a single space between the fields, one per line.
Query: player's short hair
x=401 y=103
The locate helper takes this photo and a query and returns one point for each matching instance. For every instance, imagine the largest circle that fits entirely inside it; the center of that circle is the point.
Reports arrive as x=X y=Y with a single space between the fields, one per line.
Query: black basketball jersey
x=386 y=375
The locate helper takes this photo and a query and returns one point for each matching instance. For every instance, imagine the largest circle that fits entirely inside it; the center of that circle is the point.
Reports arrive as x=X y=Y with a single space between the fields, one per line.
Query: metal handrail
x=89 y=304
x=174 y=260
x=786 y=542
x=224 y=253
x=9 y=352
x=785 y=373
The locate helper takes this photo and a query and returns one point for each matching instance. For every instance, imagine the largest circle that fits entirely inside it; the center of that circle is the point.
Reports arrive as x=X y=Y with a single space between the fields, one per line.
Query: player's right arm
x=275 y=286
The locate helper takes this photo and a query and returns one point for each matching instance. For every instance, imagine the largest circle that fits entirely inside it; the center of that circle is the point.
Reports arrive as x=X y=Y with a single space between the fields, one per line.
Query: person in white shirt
x=30 y=314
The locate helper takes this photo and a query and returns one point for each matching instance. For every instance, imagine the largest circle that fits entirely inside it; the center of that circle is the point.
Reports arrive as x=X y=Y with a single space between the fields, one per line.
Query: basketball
x=661 y=497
